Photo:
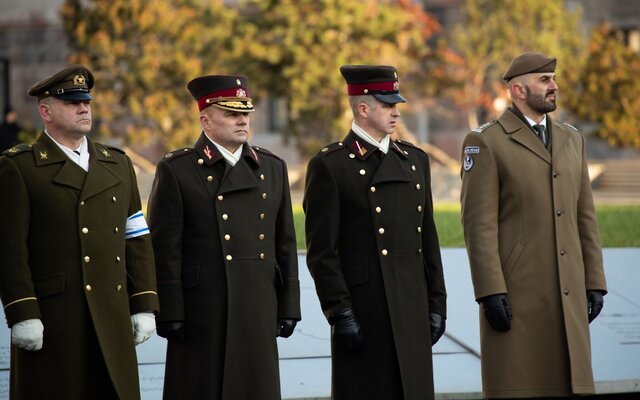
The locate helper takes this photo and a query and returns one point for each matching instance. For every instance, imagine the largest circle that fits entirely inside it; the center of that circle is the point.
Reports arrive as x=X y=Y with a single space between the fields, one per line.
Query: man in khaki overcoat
x=76 y=267
x=533 y=242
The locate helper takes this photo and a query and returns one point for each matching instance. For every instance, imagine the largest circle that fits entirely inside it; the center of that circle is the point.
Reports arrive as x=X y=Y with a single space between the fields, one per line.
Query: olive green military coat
x=64 y=259
x=372 y=246
x=226 y=261
x=530 y=230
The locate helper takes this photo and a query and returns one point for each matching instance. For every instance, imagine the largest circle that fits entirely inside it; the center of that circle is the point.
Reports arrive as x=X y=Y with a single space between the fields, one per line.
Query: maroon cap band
x=360 y=89
x=236 y=92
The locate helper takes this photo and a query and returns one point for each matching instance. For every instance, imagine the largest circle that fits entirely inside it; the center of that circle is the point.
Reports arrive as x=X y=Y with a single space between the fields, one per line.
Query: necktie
x=542 y=133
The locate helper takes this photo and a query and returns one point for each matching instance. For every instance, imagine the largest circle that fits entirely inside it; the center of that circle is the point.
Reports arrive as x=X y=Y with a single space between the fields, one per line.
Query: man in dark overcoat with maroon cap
x=76 y=267
x=222 y=229
x=533 y=243
x=373 y=249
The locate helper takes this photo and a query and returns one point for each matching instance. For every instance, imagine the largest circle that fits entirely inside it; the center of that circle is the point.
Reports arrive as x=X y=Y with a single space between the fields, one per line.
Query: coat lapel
x=392 y=168
x=100 y=176
x=559 y=136
x=522 y=133
x=46 y=152
x=241 y=175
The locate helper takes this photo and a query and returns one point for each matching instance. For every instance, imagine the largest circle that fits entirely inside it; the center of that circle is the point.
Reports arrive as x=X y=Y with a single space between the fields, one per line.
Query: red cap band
x=366 y=88
x=226 y=93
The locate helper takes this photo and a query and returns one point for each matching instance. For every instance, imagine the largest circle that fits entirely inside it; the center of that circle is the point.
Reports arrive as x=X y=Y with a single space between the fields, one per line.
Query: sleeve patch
x=472 y=150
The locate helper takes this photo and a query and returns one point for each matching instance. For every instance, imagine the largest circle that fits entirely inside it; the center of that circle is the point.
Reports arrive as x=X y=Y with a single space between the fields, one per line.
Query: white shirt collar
x=231 y=157
x=383 y=145
x=532 y=122
x=79 y=156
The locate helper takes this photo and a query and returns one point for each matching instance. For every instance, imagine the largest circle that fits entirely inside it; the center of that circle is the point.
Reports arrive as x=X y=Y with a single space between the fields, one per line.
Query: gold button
x=227 y=237
x=117 y=258
x=373 y=189
x=264 y=195
x=220 y=197
x=200 y=161
x=381 y=230
x=419 y=251
x=88 y=287
x=116 y=230
x=209 y=178
x=378 y=210
x=339 y=143
x=324 y=150
x=87 y=259
x=413 y=167
x=384 y=252
x=419 y=208
x=114 y=199
x=261 y=236
x=262 y=256
x=417 y=186
x=85 y=230
x=351 y=155
x=119 y=288
x=261 y=215
x=406 y=152
x=82 y=203
x=225 y=217
x=261 y=177
x=229 y=258
x=362 y=172
x=419 y=229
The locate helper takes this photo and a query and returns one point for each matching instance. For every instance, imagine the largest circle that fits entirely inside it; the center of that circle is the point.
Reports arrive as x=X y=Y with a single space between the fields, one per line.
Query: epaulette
x=330 y=148
x=408 y=144
x=483 y=127
x=571 y=126
x=119 y=150
x=265 y=151
x=17 y=149
x=178 y=153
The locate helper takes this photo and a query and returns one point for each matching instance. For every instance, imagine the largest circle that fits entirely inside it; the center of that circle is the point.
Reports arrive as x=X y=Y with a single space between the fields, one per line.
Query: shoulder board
x=178 y=153
x=119 y=150
x=330 y=148
x=17 y=149
x=265 y=151
x=408 y=144
x=571 y=126
x=483 y=127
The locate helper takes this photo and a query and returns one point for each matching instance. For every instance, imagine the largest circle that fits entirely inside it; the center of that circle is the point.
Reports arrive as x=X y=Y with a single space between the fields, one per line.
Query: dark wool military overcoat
x=530 y=229
x=64 y=259
x=227 y=265
x=372 y=245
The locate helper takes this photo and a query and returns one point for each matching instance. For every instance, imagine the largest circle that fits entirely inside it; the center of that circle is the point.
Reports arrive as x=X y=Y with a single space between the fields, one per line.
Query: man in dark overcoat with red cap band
x=222 y=229
x=373 y=249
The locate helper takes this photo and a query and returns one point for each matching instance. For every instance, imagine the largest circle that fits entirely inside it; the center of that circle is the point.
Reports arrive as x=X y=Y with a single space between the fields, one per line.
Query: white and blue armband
x=136 y=226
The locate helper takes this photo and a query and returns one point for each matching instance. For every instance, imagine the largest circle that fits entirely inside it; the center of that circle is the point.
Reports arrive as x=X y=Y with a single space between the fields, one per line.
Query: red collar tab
x=360 y=89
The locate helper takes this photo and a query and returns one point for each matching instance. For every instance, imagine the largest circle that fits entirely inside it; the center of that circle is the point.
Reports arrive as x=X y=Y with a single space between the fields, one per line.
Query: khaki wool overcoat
x=373 y=247
x=530 y=229
x=64 y=259
x=227 y=266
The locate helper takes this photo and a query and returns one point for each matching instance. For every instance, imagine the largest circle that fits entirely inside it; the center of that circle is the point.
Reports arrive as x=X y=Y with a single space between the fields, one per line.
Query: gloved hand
x=497 y=311
x=595 y=301
x=28 y=334
x=286 y=327
x=172 y=330
x=346 y=331
x=438 y=325
x=144 y=324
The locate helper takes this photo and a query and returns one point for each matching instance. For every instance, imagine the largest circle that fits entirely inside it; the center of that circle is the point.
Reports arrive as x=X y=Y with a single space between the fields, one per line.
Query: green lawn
x=619 y=225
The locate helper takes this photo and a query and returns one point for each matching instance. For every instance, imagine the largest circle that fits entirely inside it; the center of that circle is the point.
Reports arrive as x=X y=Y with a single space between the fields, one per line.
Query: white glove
x=28 y=334
x=144 y=324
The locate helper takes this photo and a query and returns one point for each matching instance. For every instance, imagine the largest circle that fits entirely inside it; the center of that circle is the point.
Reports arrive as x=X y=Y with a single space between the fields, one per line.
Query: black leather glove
x=346 y=331
x=172 y=330
x=438 y=325
x=595 y=300
x=286 y=327
x=497 y=311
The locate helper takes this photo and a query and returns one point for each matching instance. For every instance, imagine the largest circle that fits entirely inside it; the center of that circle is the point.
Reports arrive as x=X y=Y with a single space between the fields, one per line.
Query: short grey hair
x=366 y=99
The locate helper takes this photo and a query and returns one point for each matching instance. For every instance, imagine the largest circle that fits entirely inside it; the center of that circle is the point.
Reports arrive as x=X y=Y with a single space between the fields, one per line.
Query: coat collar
x=520 y=131
x=210 y=154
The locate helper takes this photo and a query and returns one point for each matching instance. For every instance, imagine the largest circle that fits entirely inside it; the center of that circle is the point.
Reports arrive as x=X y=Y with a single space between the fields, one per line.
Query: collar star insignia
x=105 y=152
x=44 y=155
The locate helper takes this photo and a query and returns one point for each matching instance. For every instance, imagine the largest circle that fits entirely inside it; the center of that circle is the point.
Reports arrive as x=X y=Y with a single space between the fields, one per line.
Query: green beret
x=72 y=83
x=527 y=63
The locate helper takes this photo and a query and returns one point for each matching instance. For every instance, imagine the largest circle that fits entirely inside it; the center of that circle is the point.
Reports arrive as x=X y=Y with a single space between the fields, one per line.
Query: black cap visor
x=73 y=95
x=390 y=98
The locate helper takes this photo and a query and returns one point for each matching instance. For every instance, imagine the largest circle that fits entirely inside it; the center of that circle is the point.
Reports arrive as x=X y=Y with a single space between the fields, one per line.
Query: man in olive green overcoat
x=373 y=249
x=76 y=266
x=533 y=242
x=227 y=268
